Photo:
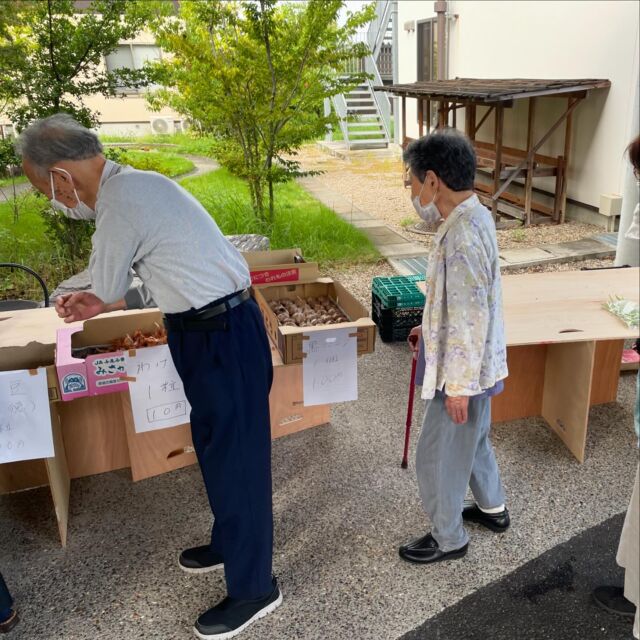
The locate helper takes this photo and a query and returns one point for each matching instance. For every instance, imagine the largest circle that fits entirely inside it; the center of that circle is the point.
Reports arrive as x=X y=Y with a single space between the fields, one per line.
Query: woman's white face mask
x=428 y=212
x=80 y=212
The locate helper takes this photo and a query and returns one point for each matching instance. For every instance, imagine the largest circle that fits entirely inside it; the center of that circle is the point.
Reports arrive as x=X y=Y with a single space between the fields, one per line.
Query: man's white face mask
x=80 y=212
x=428 y=212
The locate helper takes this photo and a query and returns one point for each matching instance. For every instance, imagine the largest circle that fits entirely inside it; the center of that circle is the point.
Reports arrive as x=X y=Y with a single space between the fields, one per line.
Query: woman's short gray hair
x=446 y=152
x=50 y=140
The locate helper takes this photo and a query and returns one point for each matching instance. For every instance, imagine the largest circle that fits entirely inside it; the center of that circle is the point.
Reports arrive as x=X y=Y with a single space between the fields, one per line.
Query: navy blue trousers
x=6 y=602
x=227 y=375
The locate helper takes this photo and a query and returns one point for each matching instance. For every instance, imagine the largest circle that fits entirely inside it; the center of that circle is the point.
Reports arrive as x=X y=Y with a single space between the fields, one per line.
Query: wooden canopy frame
x=504 y=164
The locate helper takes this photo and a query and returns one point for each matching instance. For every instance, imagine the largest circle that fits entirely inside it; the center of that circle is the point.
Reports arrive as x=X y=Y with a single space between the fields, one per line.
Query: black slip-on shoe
x=231 y=617
x=419 y=543
x=612 y=599
x=200 y=560
x=425 y=550
x=498 y=522
x=8 y=624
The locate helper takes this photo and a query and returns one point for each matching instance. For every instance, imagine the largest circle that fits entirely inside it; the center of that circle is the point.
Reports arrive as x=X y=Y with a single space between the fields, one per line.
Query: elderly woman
x=464 y=350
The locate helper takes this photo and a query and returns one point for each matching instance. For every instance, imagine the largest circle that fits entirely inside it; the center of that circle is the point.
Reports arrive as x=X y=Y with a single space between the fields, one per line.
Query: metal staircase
x=365 y=114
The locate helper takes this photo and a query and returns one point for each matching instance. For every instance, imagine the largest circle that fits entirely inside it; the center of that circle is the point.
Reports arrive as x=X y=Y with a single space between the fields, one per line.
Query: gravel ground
x=357 y=278
x=374 y=185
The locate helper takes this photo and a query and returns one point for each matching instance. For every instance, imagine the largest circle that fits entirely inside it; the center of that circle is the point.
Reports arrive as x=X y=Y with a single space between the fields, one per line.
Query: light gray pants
x=451 y=457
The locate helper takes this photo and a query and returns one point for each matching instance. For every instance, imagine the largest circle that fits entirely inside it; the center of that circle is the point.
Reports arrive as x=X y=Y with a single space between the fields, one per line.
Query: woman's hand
x=414 y=341
x=457 y=408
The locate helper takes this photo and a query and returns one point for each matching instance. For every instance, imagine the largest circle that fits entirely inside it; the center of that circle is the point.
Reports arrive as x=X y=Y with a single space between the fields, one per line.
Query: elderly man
x=464 y=350
x=149 y=224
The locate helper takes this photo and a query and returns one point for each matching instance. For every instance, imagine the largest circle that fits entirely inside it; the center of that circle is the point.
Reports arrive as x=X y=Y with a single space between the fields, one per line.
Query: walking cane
x=412 y=388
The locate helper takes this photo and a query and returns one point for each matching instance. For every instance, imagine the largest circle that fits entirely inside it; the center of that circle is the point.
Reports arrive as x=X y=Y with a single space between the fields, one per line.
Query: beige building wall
x=127 y=114
x=560 y=39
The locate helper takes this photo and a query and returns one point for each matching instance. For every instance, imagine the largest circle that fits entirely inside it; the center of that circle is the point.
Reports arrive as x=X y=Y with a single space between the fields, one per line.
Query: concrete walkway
x=387 y=241
x=408 y=257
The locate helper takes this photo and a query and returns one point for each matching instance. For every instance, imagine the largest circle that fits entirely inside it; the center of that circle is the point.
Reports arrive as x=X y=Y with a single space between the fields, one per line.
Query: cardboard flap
x=64 y=338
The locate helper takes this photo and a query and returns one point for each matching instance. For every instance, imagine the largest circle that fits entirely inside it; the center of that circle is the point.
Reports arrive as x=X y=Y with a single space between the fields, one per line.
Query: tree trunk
x=271 y=207
x=270 y=185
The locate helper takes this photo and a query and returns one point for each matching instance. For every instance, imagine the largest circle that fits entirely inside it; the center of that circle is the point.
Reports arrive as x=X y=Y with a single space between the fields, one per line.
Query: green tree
x=52 y=54
x=255 y=74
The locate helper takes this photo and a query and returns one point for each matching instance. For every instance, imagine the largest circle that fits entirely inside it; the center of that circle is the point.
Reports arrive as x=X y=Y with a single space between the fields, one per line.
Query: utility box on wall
x=610 y=206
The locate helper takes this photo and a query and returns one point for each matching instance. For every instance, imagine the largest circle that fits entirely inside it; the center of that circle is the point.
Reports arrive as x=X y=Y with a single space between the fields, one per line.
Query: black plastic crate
x=394 y=324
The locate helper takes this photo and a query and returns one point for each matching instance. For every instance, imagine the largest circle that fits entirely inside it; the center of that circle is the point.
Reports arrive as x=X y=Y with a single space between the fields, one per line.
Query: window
x=428 y=60
x=132 y=56
x=427 y=51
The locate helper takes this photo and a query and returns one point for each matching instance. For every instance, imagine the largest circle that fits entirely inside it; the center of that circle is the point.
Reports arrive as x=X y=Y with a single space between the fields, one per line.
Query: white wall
x=559 y=39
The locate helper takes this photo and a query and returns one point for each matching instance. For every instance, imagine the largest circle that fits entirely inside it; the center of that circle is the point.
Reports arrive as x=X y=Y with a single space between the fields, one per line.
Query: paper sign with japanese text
x=330 y=367
x=158 y=400
x=25 y=418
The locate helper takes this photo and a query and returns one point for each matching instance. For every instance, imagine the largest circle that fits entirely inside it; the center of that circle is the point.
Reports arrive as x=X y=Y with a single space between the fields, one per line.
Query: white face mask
x=428 y=212
x=80 y=212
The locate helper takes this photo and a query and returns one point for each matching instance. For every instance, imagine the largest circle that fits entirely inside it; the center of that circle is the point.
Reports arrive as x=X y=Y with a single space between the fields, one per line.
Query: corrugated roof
x=492 y=90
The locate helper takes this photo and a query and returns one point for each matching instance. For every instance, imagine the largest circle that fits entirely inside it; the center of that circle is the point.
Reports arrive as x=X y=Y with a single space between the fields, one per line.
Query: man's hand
x=414 y=341
x=79 y=306
x=457 y=408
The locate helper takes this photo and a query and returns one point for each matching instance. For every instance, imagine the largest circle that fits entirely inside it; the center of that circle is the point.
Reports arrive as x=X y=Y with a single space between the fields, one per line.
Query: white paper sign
x=25 y=419
x=330 y=368
x=157 y=395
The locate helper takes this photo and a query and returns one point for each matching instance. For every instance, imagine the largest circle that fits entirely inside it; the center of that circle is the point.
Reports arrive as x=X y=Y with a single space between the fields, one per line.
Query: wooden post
x=428 y=107
x=557 y=196
x=567 y=155
x=455 y=113
x=442 y=110
x=420 y=117
x=528 y=186
x=404 y=118
x=470 y=121
x=499 y=130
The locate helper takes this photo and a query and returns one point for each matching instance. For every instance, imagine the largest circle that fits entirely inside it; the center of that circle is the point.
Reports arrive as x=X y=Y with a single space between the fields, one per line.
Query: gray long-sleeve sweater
x=148 y=223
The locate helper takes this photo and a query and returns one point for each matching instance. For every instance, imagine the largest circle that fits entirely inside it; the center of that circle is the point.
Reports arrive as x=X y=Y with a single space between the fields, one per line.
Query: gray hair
x=446 y=152
x=50 y=140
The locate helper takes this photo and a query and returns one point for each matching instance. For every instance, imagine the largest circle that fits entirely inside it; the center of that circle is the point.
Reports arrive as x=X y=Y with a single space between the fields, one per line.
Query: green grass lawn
x=23 y=240
x=186 y=142
x=169 y=164
x=300 y=220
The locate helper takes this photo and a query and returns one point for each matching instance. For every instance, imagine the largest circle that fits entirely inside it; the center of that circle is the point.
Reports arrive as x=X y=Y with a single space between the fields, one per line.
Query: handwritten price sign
x=157 y=396
x=330 y=367
x=25 y=420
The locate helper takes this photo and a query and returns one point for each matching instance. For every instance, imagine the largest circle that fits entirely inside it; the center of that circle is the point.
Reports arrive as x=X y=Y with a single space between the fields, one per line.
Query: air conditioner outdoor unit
x=162 y=125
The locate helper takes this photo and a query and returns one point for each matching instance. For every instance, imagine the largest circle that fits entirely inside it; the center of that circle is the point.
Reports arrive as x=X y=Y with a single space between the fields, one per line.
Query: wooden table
x=564 y=350
x=96 y=434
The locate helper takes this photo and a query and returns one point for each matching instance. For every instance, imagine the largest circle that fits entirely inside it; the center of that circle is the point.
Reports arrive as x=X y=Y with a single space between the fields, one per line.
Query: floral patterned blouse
x=462 y=325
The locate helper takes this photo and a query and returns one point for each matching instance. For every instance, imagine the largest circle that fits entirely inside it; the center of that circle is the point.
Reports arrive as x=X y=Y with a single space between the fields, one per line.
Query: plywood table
x=563 y=349
x=96 y=434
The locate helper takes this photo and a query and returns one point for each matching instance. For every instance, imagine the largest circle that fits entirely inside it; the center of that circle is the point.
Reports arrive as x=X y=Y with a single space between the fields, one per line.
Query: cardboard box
x=283 y=265
x=289 y=339
x=97 y=374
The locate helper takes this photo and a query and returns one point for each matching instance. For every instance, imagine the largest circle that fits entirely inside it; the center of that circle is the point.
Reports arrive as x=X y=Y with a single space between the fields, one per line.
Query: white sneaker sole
x=215 y=567
x=232 y=634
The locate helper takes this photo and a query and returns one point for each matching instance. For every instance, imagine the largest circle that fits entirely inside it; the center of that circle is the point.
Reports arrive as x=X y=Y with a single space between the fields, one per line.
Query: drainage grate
x=410 y=266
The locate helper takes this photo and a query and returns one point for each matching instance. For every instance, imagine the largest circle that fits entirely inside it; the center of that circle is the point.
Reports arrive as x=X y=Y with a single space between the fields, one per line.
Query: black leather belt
x=208 y=318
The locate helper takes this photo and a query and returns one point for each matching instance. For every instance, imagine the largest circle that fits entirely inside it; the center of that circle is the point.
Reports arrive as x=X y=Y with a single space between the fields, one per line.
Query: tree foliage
x=52 y=55
x=255 y=75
